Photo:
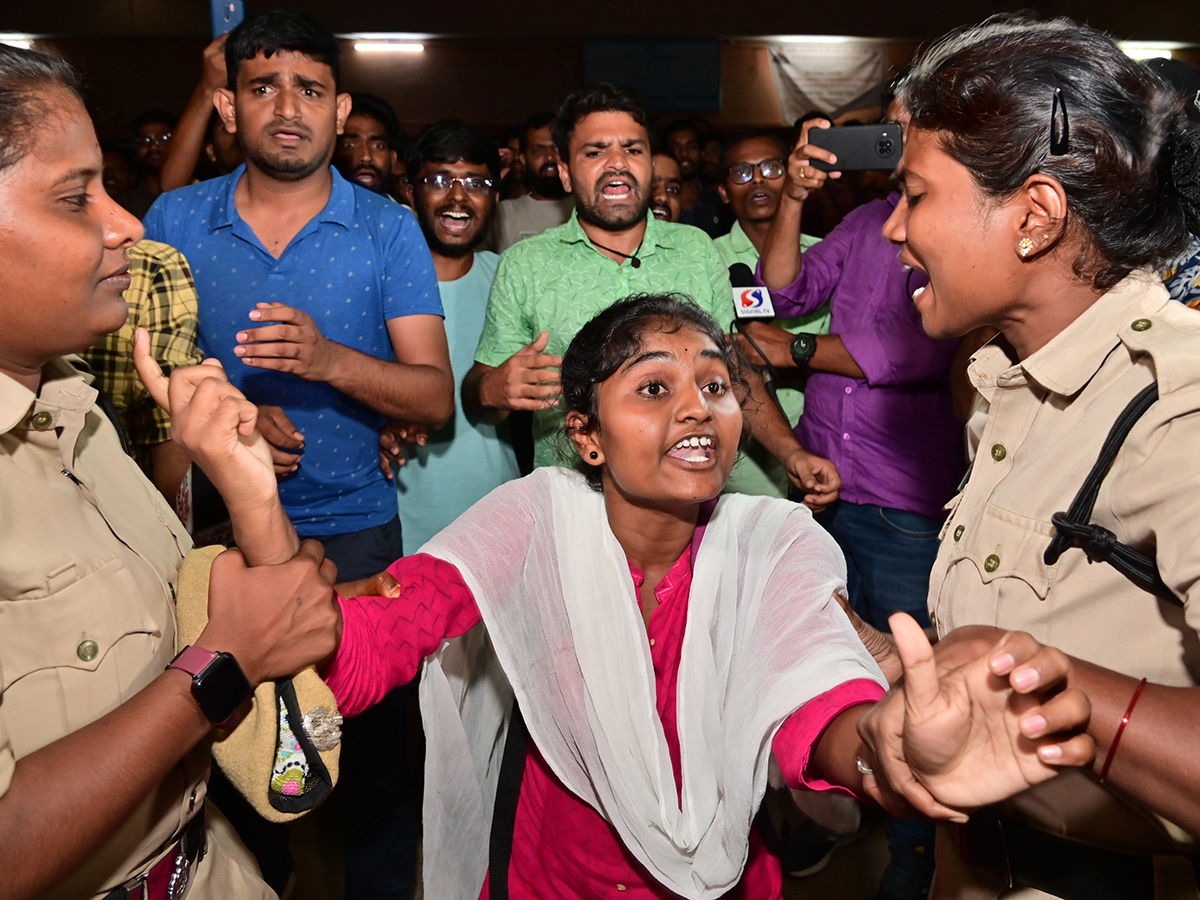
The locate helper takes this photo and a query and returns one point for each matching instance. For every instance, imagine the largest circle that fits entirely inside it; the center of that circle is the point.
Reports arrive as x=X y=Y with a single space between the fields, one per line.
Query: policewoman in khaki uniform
x=103 y=748
x=1045 y=176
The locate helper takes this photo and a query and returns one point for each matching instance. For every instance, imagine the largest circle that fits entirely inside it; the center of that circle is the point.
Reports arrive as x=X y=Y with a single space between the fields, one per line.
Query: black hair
x=276 y=31
x=159 y=116
x=614 y=336
x=533 y=123
x=682 y=125
x=750 y=134
x=381 y=111
x=450 y=141
x=989 y=90
x=596 y=98
x=27 y=78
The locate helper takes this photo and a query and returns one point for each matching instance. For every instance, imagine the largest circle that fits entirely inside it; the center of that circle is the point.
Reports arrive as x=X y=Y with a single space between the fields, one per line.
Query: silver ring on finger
x=862 y=766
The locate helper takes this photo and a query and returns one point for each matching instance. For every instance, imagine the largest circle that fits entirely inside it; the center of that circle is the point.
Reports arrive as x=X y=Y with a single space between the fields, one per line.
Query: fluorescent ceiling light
x=24 y=41
x=813 y=38
x=388 y=47
x=1149 y=49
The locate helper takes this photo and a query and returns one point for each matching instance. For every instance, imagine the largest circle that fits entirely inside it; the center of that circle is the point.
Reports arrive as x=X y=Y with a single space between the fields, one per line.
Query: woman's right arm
x=385 y=639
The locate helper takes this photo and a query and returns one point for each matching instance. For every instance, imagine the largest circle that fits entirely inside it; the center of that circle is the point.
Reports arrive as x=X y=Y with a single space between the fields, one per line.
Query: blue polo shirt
x=358 y=263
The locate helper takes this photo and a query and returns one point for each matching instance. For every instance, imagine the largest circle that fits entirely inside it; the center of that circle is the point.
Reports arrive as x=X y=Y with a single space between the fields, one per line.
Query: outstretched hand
x=975 y=722
x=214 y=423
x=816 y=476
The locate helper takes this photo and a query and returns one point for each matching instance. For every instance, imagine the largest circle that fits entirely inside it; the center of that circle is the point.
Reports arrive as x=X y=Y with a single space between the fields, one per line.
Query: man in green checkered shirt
x=549 y=285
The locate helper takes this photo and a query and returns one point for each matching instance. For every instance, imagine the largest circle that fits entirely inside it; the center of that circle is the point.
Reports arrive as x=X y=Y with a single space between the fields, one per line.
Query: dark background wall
x=495 y=63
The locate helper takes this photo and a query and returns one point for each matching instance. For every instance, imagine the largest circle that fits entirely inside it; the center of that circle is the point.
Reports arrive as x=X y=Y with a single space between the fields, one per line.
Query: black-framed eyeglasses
x=1060 y=127
x=740 y=173
x=440 y=183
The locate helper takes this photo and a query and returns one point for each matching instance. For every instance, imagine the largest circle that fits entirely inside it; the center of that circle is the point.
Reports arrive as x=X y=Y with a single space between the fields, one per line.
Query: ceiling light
x=388 y=47
x=1148 y=49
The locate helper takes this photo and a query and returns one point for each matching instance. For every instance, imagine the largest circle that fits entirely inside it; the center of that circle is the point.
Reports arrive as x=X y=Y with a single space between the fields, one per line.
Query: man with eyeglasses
x=456 y=171
x=549 y=285
x=152 y=131
x=319 y=298
x=752 y=184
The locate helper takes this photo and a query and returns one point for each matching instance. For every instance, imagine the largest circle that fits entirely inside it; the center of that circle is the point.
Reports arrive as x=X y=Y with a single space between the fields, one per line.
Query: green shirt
x=556 y=281
x=757 y=472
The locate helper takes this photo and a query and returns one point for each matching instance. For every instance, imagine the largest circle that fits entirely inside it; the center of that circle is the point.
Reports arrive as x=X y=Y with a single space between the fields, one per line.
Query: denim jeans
x=889 y=554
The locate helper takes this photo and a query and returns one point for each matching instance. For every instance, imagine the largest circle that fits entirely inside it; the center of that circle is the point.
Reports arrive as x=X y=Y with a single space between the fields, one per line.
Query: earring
x=593 y=455
x=1024 y=247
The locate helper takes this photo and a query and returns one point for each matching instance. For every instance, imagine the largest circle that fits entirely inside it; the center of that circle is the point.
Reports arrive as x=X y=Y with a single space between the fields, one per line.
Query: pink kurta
x=562 y=848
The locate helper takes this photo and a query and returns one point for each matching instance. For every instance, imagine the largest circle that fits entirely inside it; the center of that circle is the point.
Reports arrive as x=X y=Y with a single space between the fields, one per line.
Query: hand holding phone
x=226 y=16
x=859 y=147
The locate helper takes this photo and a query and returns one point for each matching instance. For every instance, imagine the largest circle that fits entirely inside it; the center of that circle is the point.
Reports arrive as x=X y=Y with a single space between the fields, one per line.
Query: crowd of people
x=607 y=566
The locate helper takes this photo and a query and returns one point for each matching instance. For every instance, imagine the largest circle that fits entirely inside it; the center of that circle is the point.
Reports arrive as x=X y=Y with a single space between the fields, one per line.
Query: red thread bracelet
x=1112 y=748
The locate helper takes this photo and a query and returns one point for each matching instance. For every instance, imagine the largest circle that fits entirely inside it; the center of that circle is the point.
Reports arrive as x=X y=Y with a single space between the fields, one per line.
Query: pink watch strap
x=193 y=660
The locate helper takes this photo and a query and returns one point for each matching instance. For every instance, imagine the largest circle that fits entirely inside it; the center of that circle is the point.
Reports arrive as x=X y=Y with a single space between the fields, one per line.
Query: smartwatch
x=218 y=682
x=804 y=347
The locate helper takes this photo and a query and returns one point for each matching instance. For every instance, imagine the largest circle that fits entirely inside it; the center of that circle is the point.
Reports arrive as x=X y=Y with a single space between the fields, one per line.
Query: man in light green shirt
x=549 y=285
x=753 y=195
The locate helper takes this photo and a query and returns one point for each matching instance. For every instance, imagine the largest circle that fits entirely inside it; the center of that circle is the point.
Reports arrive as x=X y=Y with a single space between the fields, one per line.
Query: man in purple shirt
x=877 y=403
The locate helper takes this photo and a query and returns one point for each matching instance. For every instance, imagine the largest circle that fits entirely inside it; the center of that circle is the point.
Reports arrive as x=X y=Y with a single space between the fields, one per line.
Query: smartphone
x=226 y=16
x=858 y=147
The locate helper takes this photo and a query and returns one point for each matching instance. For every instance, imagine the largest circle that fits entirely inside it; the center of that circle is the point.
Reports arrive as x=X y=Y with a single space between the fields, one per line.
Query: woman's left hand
x=215 y=423
x=985 y=717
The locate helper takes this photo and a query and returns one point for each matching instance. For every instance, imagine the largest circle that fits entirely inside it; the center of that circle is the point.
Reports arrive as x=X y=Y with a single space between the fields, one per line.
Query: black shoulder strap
x=504 y=813
x=1100 y=544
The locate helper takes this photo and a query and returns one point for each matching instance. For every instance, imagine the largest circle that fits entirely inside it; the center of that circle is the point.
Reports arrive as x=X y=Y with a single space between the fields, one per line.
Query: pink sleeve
x=385 y=639
x=798 y=734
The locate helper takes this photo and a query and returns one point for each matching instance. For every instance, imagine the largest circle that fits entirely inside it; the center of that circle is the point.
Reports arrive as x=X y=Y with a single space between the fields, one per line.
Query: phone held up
x=858 y=147
x=226 y=16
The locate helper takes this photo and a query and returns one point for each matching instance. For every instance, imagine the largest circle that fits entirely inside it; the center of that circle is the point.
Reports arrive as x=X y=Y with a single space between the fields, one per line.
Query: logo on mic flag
x=753 y=303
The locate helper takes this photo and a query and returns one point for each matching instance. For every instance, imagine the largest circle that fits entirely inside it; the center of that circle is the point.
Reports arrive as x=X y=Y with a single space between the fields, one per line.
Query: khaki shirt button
x=87 y=650
x=998 y=452
x=1141 y=324
x=992 y=563
x=41 y=420
x=958 y=532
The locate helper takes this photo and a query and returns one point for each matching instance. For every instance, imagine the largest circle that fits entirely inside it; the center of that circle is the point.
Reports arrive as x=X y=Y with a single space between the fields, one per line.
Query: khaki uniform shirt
x=91 y=552
x=1047 y=417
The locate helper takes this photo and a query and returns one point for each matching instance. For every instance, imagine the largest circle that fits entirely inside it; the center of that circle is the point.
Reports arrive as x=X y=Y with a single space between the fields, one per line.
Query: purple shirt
x=892 y=435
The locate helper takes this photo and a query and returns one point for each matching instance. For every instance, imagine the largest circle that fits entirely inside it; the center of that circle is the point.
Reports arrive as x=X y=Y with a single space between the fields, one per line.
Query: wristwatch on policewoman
x=218 y=683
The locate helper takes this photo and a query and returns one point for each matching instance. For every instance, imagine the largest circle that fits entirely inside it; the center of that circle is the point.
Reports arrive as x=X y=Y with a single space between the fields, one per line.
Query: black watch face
x=221 y=688
x=803 y=347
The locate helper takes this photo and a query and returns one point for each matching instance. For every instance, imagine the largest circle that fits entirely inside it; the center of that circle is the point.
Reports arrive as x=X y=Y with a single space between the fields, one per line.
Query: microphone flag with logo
x=750 y=300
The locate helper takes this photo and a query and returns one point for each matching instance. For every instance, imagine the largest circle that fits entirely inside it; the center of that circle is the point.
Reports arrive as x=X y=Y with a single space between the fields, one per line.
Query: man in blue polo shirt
x=318 y=296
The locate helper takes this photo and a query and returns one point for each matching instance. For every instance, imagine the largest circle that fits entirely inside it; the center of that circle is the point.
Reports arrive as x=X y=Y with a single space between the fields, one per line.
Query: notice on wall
x=825 y=76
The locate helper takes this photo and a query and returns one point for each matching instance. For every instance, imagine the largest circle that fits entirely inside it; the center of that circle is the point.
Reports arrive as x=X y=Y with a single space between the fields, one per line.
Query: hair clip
x=1060 y=138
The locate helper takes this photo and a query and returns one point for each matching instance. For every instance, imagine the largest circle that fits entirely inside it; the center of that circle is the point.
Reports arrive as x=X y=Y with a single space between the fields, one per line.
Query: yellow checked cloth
x=162 y=299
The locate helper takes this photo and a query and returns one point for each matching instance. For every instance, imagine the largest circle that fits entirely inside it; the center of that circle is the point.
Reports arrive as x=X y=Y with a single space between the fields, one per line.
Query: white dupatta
x=763 y=636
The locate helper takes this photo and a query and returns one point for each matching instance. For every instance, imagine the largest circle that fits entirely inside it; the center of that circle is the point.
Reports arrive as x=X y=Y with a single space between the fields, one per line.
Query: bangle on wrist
x=1112 y=748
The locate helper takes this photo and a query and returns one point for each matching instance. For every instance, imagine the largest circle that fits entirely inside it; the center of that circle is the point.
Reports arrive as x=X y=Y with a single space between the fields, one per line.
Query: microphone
x=750 y=300
x=753 y=301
